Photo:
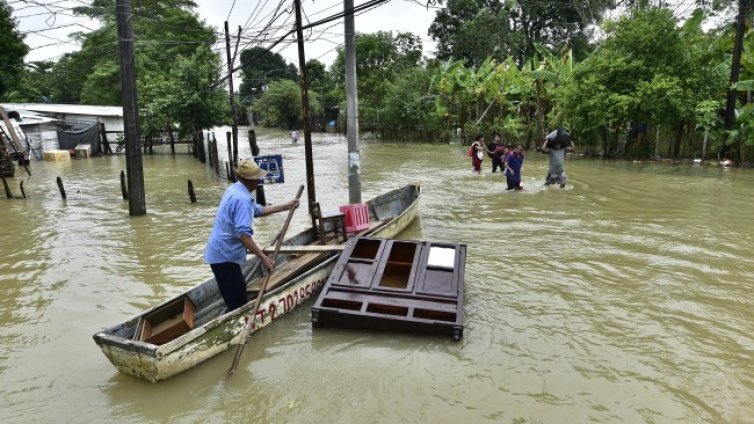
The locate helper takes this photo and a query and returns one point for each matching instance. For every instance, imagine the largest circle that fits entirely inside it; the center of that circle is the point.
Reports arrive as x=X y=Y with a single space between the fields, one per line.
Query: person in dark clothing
x=497 y=151
x=556 y=144
x=513 y=163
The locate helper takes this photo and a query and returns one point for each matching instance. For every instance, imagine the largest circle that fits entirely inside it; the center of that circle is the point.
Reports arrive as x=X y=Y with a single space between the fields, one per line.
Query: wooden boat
x=297 y=277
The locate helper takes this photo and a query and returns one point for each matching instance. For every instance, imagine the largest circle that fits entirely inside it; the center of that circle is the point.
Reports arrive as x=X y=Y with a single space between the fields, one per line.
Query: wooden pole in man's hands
x=253 y=313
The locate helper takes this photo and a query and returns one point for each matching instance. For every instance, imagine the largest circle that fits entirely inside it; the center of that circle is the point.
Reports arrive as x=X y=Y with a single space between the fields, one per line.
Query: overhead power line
x=339 y=15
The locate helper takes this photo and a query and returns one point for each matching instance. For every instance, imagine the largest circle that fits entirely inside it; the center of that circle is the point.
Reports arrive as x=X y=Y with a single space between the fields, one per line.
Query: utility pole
x=310 y=192
x=136 y=198
x=233 y=111
x=352 y=108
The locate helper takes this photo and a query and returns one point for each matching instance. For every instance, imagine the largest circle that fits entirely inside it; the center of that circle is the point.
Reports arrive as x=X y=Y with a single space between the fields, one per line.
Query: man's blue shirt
x=235 y=217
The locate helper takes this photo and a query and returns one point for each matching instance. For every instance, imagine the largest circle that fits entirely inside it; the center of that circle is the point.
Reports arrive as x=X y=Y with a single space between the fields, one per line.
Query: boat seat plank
x=284 y=272
x=314 y=252
x=318 y=248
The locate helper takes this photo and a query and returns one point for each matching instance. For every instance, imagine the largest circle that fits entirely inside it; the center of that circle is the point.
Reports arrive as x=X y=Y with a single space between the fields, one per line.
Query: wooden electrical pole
x=352 y=109
x=231 y=98
x=136 y=197
x=310 y=192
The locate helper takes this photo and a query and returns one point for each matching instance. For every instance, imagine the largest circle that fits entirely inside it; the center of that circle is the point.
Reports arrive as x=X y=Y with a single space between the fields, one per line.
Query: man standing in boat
x=232 y=234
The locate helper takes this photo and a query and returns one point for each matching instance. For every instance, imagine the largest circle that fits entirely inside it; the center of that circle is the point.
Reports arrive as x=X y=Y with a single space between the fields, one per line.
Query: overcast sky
x=47 y=28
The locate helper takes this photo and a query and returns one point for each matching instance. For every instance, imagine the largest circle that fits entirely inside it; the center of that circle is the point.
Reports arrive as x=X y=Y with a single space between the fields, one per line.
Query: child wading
x=513 y=162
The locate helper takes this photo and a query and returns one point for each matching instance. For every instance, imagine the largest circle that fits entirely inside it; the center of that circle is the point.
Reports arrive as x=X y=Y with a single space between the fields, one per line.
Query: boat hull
x=153 y=363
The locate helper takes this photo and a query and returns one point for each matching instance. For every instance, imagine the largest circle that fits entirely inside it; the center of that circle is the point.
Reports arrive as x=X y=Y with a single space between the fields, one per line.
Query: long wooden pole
x=250 y=317
x=310 y=192
x=137 y=204
x=231 y=99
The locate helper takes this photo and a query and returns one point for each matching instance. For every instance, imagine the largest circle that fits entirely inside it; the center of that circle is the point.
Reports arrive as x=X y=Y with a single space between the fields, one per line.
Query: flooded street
x=625 y=297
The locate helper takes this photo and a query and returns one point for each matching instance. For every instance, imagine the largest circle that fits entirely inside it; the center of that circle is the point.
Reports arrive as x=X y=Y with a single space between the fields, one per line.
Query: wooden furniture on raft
x=395 y=285
x=330 y=225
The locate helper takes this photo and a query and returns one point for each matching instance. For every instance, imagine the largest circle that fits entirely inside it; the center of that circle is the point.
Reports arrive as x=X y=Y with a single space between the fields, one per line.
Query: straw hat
x=249 y=170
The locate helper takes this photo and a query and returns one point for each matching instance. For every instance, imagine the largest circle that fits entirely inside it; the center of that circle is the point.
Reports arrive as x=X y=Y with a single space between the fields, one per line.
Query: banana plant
x=707 y=118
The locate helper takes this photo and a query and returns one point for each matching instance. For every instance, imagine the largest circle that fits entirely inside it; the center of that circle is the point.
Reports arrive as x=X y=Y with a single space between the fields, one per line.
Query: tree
x=649 y=71
x=408 y=109
x=165 y=30
x=35 y=85
x=259 y=68
x=185 y=97
x=281 y=103
x=322 y=82
x=12 y=50
x=380 y=58
x=474 y=30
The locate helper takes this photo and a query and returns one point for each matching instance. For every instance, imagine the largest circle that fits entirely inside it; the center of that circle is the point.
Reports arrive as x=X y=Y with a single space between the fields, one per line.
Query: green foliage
x=184 y=96
x=35 y=84
x=164 y=31
x=260 y=68
x=474 y=30
x=380 y=58
x=408 y=110
x=12 y=50
x=281 y=103
x=647 y=71
x=321 y=81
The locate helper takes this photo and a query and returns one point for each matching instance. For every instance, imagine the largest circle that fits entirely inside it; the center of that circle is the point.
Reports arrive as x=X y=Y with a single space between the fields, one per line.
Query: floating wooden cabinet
x=166 y=322
x=397 y=285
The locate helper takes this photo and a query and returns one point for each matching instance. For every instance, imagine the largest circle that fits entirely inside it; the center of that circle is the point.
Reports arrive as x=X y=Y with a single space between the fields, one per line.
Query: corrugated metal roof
x=68 y=109
x=28 y=119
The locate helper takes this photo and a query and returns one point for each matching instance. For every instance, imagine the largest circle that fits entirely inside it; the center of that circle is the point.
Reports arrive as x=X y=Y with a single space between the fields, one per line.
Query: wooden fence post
x=103 y=139
x=202 y=155
x=8 y=193
x=261 y=199
x=123 y=188
x=192 y=195
x=61 y=188
x=232 y=174
x=172 y=140
x=215 y=155
x=253 y=143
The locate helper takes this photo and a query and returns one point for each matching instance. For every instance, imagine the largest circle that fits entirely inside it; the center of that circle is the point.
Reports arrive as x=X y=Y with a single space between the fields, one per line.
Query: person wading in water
x=497 y=151
x=513 y=163
x=556 y=144
x=476 y=151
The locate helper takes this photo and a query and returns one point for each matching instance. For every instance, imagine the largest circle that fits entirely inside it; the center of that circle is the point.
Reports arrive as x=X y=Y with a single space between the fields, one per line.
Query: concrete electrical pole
x=352 y=108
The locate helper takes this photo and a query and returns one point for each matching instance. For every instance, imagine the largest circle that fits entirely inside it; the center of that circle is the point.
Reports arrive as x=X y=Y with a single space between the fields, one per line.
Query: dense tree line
x=648 y=85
